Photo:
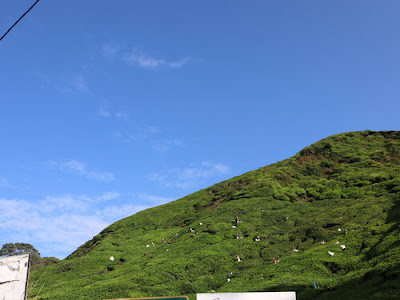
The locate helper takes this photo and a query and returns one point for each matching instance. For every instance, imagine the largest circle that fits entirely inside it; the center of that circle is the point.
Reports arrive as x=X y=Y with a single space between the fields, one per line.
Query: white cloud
x=121 y=211
x=151 y=63
x=151 y=130
x=106 y=113
x=103 y=112
x=66 y=84
x=141 y=134
x=165 y=145
x=179 y=63
x=74 y=165
x=80 y=168
x=79 y=84
x=121 y=115
x=110 y=50
x=190 y=177
x=65 y=203
x=107 y=197
x=154 y=200
x=143 y=61
x=151 y=136
x=113 y=51
x=76 y=84
x=57 y=225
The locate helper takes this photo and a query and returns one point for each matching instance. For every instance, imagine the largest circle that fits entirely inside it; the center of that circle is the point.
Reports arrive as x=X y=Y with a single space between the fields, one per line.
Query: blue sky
x=111 y=107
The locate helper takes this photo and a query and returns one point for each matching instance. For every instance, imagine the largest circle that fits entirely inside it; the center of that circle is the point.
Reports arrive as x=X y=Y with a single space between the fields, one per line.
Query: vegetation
x=342 y=190
x=18 y=249
x=36 y=261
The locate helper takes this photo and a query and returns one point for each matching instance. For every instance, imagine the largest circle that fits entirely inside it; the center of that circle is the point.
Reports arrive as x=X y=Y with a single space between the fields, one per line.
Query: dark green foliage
x=345 y=188
x=19 y=249
x=23 y=248
x=47 y=261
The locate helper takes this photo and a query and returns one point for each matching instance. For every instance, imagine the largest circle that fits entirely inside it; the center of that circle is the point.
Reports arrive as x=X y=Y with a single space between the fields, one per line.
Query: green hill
x=342 y=190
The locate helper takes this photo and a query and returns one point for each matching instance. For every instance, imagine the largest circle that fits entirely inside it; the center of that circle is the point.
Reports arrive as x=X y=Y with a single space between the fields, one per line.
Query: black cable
x=18 y=20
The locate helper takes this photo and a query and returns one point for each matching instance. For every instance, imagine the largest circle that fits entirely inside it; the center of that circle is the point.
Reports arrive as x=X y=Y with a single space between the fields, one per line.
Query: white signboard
x=13 y=277
x=249 y=296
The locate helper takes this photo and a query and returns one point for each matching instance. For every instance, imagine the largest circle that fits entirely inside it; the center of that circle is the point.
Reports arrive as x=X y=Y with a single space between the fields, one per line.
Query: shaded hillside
x=342 y=190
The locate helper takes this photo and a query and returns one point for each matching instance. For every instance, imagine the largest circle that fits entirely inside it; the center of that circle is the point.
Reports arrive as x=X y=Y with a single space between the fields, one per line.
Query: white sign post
x=14 y=277
x=249 y=296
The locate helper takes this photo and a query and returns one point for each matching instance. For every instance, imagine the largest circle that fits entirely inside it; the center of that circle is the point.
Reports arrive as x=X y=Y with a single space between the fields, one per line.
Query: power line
x=18 y=20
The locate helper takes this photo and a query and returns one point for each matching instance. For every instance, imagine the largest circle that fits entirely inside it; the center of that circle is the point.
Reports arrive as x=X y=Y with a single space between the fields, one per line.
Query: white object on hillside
x=248 y=296
x=343 y=247
x=331 y=253
x=296 y=250
x=112 y=258
x=339 y=230
x=14 y=277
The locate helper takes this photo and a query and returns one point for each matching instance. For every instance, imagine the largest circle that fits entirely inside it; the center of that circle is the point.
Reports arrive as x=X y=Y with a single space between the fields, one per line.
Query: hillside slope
x=345 y=189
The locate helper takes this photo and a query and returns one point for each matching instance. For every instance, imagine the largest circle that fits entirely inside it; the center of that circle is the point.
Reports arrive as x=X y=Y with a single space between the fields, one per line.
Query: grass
x=348 y=181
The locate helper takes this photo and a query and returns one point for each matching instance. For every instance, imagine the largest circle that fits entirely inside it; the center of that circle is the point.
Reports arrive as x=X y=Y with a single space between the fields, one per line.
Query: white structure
x=14 y=277
x=249 y=296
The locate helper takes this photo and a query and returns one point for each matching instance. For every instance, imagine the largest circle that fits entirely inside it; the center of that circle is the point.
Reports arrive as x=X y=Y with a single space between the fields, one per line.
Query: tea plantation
x=267 y=230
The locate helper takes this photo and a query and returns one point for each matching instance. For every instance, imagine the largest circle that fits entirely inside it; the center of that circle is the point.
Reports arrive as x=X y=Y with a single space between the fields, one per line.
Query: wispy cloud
x=81 y=169
x=165 y=145
x=152 y=136
x=107 y=197
x=110 y=50
x=190 y=177
x=76 y=84
x=151 y=63
x=59 y=224
x=114 y=51
x=104 y=112
x=153 y=200
x=79 y=84
x=121 y=115
x=140 y=134
x=177 y=64
x=151 y=130
x=117 y=212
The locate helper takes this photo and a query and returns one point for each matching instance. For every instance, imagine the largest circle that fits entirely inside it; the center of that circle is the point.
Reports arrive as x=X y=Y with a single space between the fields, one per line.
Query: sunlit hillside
x=324 y=223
